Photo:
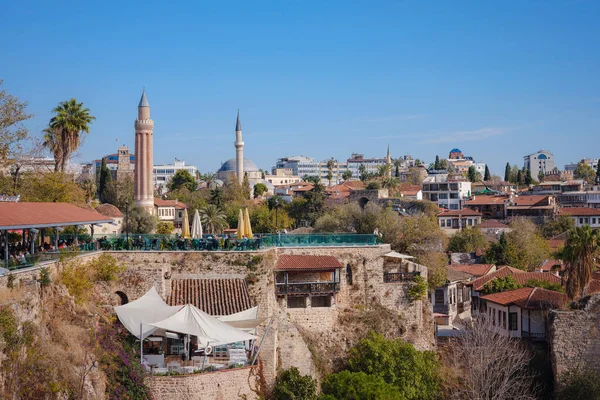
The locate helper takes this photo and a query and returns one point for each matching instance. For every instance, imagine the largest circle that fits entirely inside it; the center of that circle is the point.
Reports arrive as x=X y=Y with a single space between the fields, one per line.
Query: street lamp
x=127 y=223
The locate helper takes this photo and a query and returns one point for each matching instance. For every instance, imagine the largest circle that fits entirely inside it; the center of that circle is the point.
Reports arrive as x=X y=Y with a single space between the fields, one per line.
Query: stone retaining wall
x=239 y=383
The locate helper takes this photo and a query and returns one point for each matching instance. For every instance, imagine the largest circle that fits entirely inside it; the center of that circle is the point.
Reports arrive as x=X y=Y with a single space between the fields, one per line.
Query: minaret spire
x=239 y=150
x=389 y=162
x=143 y=188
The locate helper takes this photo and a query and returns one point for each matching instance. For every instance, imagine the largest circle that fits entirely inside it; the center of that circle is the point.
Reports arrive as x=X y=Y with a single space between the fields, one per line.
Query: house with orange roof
x=582 y=216
x=457 y=219
x=523 y=312
x=491 y=206
x=169 y=211
x=538 y=208
x=452 y=301
x=411 y=192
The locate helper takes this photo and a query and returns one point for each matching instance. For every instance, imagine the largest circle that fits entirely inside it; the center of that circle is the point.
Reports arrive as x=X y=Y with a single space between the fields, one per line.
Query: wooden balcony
x=392 y=277
x=307 y=288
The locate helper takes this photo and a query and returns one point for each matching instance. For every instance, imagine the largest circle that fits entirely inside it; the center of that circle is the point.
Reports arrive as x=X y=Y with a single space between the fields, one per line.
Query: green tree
x=383 y=170
x=374 y=185
x=207 y=178
x=436 y=164
x=579 y=384
x=290 y=385
x=164 y=228
x=315 y=201
x=497 y=252
x=397 y=174
x=260 y=189
x=347 y=175
x=213 y=219
x=52 y=187
x=362 y=171
x=579 y=254
x=89 y=188
x=541 y=176
x=414 y=374
x=557 y=226
x=119 y=192
x=139 y=220
x=557 y=287
x=182 y=178
x=216 y=197
x=472 y=174
x=519 y=180
x=72 y=120
x=507 y=173
x=598 y=174
x=52 y=141
x=467 y=240
x=526 y=248
x=104 y=179
x=498 y=285
x=12 y=130
x=486 y=176
x=357 y=386
x=330 y=164
x=246 y=187
x=528 y=178
x=584 y=171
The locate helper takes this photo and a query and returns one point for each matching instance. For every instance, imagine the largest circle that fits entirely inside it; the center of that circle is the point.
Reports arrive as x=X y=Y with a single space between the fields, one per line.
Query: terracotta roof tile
x=520 y=276
x=287 y=262
x=555 y=244
x=531 y=298
x=481 y=200
x=465 y=212
x=547 y=265
x=213 y=296
x=109 y=210
x=169 y=203
x=531 y=200
x=577 y=211
x=473 y=269
x=39 y=215
x=509 y=296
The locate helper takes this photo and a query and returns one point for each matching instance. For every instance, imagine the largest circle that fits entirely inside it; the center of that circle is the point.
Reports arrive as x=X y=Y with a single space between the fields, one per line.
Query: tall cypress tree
x=507 y=177
x=519 y=178
x=397 y=171
x=486 y=176
x=105 y=179
x=436 y=165
x=598 y=173
x=528 y=178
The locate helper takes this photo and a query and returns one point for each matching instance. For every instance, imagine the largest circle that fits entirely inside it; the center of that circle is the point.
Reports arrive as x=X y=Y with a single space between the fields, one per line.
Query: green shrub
x=415 y=374
x=579 y=385
x=501 y=285
x=418 y=289
x=10 y=281
x=357 y=386
x=76 y=278
x=45 y=279
x=545 y=285
x=164 y=228
x=290 y=385
x=105 y=268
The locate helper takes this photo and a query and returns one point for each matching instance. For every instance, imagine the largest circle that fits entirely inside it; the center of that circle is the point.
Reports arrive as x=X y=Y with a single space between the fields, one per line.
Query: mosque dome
x=229 y=166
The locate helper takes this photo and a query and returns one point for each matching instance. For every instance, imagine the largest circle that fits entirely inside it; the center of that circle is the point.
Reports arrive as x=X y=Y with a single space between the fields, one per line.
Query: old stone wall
x=574 y=338
x=240 y=383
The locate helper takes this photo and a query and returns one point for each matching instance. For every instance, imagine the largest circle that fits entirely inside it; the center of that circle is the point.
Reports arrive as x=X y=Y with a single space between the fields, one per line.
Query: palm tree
x=579 y=255
x=383 y=170
x=389 y=183
x=70 y=121
x=330 y=165
x=207 y=178
x=213 y=218
x=347 y=175
x=89 y=188
x=52 y=143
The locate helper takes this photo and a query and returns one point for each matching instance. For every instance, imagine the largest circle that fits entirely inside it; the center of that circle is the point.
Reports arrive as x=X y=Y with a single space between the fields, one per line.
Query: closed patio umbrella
x=196 y=226
x=241 y=230
x=185 y=225
x=247 y=226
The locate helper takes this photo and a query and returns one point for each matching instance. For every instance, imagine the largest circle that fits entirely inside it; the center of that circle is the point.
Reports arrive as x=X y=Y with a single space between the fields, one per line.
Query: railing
x=307 y=288
x=28 y=261
x=391 y=277
x=533 y=336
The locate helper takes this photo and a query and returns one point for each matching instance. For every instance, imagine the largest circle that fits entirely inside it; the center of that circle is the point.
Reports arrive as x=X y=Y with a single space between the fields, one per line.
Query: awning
x=209 y=330
x=393 y=254
x=147 y=309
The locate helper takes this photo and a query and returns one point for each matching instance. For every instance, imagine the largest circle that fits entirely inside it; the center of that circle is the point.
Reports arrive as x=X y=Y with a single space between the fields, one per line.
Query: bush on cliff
x=290 y=385
x=357 y=386
x=579 y=385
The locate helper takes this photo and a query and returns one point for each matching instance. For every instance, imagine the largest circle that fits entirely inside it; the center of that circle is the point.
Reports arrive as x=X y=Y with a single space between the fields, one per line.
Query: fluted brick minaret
x=389 y=163
x=239 y=150
x=144 y=162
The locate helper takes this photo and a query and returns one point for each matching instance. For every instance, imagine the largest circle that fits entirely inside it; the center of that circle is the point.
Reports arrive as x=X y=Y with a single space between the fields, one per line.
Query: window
x=443 y=223
x=453 y=206
x=349 y=274
x=581 y=220
x=296 y=302
x=512 y=321
x=320 y=301
x=504 y=319
x=443 y=196
x=454 y=195
x=439 y=296
x=470 y=222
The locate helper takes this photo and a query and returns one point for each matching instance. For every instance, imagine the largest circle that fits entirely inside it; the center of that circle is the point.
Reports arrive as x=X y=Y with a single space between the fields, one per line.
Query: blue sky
x=319 y=78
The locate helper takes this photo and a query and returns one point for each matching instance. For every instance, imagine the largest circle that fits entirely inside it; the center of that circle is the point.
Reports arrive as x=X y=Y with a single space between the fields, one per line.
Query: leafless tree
x=489 y=365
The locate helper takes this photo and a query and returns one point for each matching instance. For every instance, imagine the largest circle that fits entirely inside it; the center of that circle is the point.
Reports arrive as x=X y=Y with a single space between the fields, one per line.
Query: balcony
x=307 y=288
x=536 y=337
x=392 y=277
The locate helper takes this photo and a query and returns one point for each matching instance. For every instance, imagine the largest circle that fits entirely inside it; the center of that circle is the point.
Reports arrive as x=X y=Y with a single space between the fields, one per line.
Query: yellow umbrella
x=240 y=231
x=247 y=226
x=185 y=225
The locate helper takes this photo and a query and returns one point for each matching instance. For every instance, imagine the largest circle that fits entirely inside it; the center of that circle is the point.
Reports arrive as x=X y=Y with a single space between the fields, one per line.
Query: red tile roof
x=577 y=211
x=555 y=244
x=288 y=262
x=109 y=210
x=530 y=298
x=213 y=296
x=548 y=264
x=169 y=203
x=481 y=200
x=473 y=269
x=492 y=223
x=40 y=215
x=531 y=200
x=520 y=276
x=465 y=212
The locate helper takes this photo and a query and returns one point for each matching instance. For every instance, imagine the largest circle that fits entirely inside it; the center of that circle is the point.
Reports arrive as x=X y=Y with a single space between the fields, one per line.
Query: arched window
x=123 y=297
x=349 y=274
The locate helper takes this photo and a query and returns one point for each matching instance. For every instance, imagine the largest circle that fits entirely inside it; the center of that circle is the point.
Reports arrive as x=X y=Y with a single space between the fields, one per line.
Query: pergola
x=33 y=217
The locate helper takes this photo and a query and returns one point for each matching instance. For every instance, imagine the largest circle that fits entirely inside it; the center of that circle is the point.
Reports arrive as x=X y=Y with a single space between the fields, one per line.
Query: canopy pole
x=141 y=346
x=261 y=341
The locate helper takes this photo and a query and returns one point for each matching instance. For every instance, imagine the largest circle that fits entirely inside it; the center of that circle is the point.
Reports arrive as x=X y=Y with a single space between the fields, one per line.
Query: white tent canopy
x=209 y=330
x=147 y=309
x=247 y=320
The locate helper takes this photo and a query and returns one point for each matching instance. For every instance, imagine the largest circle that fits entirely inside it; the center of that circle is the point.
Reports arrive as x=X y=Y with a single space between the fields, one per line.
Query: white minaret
x=144 y=164
x=239 y=150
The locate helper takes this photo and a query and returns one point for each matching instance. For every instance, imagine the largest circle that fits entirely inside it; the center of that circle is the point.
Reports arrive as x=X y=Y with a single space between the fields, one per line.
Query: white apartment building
x=542 y=161
x=448 y=193
x=164 y=173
